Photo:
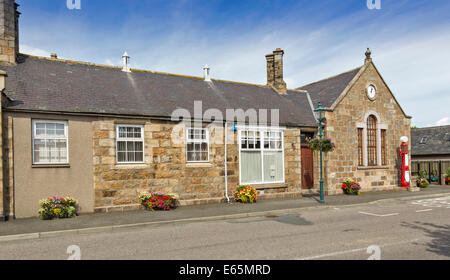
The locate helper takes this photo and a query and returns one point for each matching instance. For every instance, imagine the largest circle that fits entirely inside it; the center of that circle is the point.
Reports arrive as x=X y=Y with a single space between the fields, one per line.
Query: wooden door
x=307 y=168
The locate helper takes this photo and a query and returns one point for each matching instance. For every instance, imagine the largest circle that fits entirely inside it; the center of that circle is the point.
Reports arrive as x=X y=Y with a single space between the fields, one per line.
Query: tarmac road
x=414 y=229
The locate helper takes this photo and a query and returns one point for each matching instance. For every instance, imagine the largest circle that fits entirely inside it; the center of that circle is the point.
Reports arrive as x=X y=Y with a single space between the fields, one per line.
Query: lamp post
x=320 y=118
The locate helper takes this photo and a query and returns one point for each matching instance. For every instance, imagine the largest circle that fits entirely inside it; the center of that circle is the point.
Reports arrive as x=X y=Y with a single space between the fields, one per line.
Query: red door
x=307 y=168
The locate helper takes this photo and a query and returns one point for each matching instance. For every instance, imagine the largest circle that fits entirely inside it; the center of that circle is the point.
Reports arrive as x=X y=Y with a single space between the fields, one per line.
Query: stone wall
x=117 y=186
x=7 y=166
x=9 y=39
x=342 y=128
x=2 y=216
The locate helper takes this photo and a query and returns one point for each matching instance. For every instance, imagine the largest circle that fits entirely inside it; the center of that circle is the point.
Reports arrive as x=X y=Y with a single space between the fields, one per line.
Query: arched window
x=372 y=141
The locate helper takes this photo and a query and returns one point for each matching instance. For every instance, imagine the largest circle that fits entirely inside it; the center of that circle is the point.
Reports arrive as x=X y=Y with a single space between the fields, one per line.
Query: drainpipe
x=226 y=163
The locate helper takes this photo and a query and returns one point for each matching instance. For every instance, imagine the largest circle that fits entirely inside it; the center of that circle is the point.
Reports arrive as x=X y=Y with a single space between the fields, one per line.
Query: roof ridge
x=431 y=127
x=135 y=70
x=329 y=78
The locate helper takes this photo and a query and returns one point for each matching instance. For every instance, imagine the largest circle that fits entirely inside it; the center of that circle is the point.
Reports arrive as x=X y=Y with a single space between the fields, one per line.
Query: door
x=307 y=168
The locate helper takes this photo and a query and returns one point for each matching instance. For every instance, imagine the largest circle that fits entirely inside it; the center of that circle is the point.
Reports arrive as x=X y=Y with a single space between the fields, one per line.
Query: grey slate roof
x=64 y=86
x=438 y=141
x=328 y=90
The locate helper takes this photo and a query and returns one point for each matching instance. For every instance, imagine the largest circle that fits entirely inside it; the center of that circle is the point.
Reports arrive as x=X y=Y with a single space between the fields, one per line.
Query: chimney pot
x=207 y=74
x=126 y=62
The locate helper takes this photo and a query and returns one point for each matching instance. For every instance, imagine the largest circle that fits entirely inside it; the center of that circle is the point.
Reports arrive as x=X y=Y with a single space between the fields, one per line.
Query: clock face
x=371 y=92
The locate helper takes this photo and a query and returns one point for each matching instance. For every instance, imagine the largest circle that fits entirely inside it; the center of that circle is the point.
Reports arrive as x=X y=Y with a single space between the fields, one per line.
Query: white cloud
x=409 y=49
x=33 y=51
x=443 y=121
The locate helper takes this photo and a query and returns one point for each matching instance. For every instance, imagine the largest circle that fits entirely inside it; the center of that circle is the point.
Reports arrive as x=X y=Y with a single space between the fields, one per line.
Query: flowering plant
x=422 y=182
x=316 y=144
x=246 y=194
x=158 y=201
x=447 y=177
x=58 y=207
x=349 y=186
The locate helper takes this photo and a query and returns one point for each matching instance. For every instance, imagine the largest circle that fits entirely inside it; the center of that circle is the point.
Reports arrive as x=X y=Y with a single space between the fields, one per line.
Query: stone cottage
x=104 y=134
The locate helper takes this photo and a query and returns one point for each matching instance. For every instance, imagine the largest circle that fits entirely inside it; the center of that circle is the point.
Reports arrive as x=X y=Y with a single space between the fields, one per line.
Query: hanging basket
x=325 y=144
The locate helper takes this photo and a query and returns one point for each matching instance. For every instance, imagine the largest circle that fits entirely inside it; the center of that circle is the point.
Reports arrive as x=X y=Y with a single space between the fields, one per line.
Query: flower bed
x=158 y=201
x=246 y=194
x=422 y=182
x=58 y=207
x=349 y=186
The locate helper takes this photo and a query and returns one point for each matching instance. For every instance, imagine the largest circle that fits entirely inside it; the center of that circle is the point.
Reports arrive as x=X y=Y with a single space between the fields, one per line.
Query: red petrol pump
x=405 y=163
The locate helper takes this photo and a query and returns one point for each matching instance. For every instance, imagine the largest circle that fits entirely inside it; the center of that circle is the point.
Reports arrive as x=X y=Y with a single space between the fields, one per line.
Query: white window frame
x=126 y=139
x=197 y=141
x=262 y=131
x=46 y=137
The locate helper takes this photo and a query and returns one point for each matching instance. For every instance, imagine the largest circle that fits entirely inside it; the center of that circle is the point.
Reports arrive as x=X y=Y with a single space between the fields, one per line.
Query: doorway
x=307 y=162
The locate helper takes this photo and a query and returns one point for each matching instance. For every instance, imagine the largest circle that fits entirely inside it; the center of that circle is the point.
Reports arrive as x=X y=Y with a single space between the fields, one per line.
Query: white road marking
x=425 y=210
x=434 y=202
x=377 y=215
x=354 y=250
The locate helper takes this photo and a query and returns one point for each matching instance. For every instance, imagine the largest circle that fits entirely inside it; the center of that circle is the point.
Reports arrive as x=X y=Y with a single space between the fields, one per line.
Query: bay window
x=261 y=156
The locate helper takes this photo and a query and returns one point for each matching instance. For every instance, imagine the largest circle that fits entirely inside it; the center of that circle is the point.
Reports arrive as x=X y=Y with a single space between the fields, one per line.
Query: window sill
x=372 y=167
x=269 y=186
x=198 y=164
x=50 y=166
x=131 y=166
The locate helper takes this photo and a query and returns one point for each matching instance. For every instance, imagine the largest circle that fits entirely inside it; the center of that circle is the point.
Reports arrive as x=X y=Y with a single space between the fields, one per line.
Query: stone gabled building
x=104 y=134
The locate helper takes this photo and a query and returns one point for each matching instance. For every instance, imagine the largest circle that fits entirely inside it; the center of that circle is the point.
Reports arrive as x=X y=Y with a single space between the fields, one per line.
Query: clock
x=371 y=92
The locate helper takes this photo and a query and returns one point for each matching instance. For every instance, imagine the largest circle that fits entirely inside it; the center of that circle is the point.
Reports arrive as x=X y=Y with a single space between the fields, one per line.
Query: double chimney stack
x=275 y=71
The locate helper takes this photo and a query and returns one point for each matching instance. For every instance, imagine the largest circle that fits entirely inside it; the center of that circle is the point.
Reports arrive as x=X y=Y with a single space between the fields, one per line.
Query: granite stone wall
x=9 y=39
x=342 y=128
x=165 y=169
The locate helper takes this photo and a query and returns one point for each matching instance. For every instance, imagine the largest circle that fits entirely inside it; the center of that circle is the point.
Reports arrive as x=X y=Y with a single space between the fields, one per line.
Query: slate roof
x=44 y=84
x=438 y=141
x=328 y=90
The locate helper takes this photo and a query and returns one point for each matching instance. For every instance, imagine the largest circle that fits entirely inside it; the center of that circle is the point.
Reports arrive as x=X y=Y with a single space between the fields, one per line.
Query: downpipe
x=226 y=164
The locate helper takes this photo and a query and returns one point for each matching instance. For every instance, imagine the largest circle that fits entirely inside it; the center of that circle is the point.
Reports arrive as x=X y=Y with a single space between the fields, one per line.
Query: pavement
x=405 y=228
x=33 y=228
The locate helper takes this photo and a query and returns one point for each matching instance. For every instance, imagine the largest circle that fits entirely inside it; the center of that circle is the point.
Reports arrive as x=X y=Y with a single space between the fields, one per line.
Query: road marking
x=434 y=202
x=377 y=215
x=425 y=210
x=354 y=250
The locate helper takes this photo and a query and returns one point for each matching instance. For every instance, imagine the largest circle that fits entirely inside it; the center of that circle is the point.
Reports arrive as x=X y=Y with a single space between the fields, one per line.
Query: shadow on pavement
x=440 y=234
x=290 y=219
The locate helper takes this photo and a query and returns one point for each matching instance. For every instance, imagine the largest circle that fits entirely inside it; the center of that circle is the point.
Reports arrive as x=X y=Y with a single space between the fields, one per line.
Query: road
x=414 y=229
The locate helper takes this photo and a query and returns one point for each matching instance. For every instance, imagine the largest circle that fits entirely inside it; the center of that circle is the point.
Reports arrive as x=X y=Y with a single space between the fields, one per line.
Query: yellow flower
x=57 y=211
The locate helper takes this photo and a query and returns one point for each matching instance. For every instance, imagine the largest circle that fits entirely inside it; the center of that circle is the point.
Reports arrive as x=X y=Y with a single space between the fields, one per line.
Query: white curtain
x=273 y=166
x=251 y=167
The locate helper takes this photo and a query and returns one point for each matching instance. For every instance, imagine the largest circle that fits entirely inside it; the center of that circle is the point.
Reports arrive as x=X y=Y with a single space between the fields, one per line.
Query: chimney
x=9 y=32
x=126 y=62
x=207 y=74
x=275 y=71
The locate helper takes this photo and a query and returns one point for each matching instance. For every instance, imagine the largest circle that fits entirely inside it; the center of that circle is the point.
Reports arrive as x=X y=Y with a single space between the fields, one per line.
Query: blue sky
x=409 y=39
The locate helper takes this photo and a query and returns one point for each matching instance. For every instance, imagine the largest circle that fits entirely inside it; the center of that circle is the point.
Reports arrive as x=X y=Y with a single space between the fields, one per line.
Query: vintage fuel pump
x=405 y=162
